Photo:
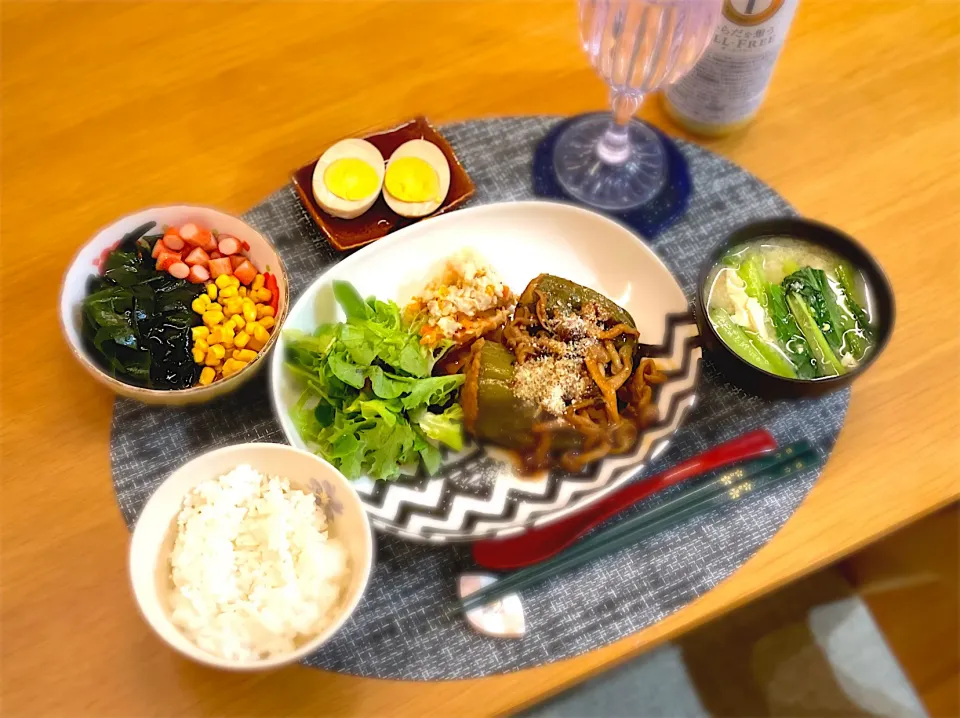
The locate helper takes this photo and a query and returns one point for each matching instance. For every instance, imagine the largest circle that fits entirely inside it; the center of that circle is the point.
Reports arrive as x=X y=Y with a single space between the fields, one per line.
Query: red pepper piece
x=270 y=282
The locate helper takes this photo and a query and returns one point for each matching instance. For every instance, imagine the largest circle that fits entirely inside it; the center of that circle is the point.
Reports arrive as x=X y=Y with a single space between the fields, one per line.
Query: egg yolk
x=351 y=179
x=411 y=179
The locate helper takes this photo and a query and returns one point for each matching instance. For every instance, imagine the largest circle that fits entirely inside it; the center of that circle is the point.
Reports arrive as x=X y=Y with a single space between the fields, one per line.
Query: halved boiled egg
x=417 y=179
x=348 y=178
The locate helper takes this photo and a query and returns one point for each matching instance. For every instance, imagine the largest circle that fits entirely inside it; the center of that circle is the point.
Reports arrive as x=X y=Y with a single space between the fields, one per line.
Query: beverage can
x=726 y=87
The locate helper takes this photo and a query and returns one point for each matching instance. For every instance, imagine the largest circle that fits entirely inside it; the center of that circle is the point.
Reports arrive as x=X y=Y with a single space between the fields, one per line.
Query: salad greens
x=369 y=404
x=136 y=321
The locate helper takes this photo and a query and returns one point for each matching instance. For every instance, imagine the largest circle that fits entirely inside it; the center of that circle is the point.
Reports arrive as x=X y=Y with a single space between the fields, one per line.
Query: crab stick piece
x=173 y=242
x=190 y=233
x=246 y=272
x=165 y=259
x=179 y=270
x=197 y=256
x=198 y=273
x=228 y=245
x=220 y=266
x=209 y=241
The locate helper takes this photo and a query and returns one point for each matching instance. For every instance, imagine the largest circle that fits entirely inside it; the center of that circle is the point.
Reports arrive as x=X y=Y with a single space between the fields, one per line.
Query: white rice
x=254 y=573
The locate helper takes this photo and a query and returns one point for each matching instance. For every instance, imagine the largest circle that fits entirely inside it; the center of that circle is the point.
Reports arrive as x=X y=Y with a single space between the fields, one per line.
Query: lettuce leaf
x=369 y=404
x=445 y=428
x=434 y=391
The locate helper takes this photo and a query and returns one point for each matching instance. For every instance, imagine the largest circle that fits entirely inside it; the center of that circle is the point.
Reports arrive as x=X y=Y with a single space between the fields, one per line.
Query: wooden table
x=109 y=107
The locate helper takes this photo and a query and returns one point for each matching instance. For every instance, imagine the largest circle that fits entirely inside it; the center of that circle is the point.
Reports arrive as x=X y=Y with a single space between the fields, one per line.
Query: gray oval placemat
x=401 y=629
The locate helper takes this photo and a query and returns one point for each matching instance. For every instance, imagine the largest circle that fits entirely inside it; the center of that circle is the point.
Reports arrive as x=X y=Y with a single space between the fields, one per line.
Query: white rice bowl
x=254 y=573
x=251 y=557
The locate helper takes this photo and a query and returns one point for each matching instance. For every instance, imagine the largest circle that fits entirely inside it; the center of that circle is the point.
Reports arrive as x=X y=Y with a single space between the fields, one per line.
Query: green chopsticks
x=726 y=488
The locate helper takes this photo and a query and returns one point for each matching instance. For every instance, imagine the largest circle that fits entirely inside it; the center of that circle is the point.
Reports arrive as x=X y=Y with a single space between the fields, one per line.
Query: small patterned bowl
x=86 y=264
x=155 y=533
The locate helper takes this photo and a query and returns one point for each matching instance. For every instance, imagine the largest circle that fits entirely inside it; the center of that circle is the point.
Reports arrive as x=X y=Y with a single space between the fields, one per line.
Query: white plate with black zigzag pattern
x=476 y=493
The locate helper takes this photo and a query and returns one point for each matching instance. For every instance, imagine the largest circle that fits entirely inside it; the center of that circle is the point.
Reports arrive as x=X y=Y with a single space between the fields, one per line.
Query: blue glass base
x=649 y=219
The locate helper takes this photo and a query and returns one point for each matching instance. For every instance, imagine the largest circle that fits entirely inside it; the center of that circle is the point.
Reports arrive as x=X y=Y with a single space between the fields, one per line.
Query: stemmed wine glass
x=636 y=46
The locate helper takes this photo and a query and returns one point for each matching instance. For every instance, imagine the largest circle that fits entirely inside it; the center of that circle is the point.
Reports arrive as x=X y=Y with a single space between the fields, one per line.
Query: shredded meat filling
x=611 y=403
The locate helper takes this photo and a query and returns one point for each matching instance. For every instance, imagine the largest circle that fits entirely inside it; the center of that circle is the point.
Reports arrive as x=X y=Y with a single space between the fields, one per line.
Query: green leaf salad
x=370 y=405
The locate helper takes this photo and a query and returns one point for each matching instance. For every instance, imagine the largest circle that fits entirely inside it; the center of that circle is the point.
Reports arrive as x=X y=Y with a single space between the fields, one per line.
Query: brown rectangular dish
x=380 y=220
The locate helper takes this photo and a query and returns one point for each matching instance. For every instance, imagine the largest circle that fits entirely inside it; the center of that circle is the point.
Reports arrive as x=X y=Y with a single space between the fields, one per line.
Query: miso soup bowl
x=759 y=381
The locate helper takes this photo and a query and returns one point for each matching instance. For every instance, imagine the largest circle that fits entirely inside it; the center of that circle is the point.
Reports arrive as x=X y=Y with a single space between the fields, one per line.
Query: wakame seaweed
x=137 y=320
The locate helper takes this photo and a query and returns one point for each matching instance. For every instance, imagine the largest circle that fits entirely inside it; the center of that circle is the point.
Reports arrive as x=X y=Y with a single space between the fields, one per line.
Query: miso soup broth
x=791 y=307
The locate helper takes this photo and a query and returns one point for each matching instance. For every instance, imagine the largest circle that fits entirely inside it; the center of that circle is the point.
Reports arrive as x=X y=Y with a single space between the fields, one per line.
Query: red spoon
x=538 y=544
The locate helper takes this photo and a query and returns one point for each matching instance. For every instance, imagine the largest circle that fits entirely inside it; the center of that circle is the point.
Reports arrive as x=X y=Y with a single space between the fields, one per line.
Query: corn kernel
x=255 y=344
x=216 y=336
x=211 y=358
x=201 y=344
x=228 y=292
x=223 y=281
x=260 y=334
x=200 y=332
x=199 y=355
x=232 y=308
x=242 y=291
x=212 y=291
x=215 y=307
x=249 y=311
x=232 y=366
x=258 y=282
x=267 y=322
x=262 y=295
x=238 y=321
x=234 y=280
x=207 y=375
x=264 y=310
x=241 y=340
x=218 y=351
x=245 y=355
x=211 y=319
